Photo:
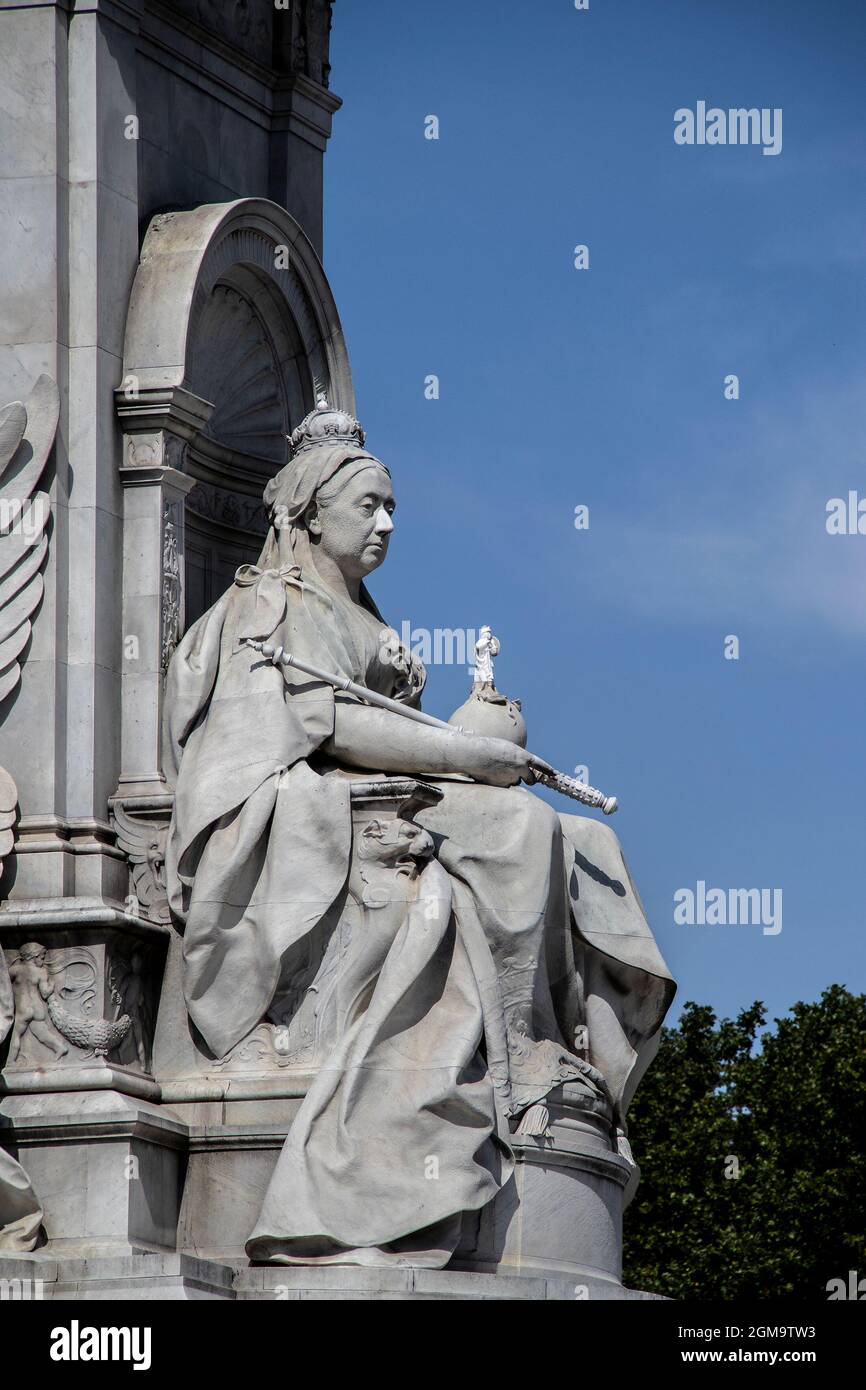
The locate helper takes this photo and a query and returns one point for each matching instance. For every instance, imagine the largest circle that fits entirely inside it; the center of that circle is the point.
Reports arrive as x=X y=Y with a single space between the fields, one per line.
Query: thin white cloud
x=748 y=537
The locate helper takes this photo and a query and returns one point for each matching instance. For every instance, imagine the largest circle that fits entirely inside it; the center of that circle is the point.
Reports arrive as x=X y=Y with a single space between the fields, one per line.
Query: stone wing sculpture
x=26 y=435
x=143 y=842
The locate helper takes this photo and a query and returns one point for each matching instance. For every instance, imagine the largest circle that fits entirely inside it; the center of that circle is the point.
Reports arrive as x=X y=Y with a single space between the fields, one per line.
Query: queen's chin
x=373 y=555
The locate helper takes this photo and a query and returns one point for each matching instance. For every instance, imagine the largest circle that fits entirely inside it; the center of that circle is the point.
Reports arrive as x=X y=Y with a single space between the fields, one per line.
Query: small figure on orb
x=486 y=648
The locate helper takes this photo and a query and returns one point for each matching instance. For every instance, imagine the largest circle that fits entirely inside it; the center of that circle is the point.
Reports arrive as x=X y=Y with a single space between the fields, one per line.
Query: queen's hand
x=494 y=761
x=375 y=738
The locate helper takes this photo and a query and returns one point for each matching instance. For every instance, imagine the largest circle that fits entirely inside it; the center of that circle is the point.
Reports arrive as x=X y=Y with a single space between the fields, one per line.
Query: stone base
x=107 y=1169
x=149 y=1275
x=562 y=1212
x=122 y=1179
x=134 y=1276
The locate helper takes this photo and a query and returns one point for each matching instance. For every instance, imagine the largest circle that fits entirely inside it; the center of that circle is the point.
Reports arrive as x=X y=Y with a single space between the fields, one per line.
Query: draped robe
x=527 y=926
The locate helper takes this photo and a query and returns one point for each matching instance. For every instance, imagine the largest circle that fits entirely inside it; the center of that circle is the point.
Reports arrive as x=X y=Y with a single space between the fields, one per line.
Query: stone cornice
x=153 y=408
x=261 y=92
x=305 y=109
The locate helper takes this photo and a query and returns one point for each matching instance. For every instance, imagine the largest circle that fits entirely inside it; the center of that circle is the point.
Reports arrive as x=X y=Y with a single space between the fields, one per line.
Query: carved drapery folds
x=323 y=982
x=318 y=1004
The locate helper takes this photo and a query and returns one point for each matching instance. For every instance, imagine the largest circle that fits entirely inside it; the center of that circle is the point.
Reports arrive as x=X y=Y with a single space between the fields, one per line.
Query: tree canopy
x=752 y=1148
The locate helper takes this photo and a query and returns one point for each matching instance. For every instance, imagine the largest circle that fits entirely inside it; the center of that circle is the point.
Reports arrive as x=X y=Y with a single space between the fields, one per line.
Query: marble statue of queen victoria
x=506 y=956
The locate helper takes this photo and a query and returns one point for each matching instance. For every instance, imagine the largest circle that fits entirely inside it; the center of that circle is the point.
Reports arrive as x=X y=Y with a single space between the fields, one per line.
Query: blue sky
x=604 y=388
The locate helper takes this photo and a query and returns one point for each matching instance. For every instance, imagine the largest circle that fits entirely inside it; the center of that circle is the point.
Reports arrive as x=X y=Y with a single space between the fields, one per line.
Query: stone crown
x=326 y=425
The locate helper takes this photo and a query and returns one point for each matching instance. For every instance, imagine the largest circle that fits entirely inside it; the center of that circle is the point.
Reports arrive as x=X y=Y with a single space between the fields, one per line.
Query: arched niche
x=231 y=333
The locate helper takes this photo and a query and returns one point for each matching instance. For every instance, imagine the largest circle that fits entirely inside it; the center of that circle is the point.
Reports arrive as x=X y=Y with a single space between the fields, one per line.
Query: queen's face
x=355 y=526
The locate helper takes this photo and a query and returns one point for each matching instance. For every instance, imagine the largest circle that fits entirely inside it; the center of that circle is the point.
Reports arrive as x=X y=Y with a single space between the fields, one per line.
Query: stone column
x=300 y=129
x=157 y=424
x=69 y=250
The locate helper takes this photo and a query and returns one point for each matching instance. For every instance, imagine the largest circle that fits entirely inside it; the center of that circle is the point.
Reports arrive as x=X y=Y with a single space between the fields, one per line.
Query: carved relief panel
x=78 y=1002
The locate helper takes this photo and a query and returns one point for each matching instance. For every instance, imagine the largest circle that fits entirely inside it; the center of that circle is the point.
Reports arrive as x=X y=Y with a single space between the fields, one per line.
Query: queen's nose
x=384 y=524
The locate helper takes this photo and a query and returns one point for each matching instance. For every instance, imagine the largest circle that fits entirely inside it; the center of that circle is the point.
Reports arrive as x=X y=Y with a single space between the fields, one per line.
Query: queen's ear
x=312 y=520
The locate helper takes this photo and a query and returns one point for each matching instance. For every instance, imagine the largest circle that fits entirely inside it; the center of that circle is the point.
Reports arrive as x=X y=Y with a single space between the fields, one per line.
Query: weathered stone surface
x=108 y=1169
x=299 y=982
x=144 y=1275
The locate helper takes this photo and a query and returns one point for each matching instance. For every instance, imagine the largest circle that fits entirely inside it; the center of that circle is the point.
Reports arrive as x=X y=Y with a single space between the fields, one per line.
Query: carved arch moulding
x=232 y=331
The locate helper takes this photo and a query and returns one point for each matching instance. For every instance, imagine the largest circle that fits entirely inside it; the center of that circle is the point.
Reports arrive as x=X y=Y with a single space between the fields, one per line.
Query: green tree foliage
x=786 y=1111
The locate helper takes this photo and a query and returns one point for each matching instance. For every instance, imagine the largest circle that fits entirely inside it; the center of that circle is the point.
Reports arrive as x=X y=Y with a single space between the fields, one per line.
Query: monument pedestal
x=562 y=1212
x=148 y=1275
x=142 y=1172
x=152 y=1170
x=108 y=1168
